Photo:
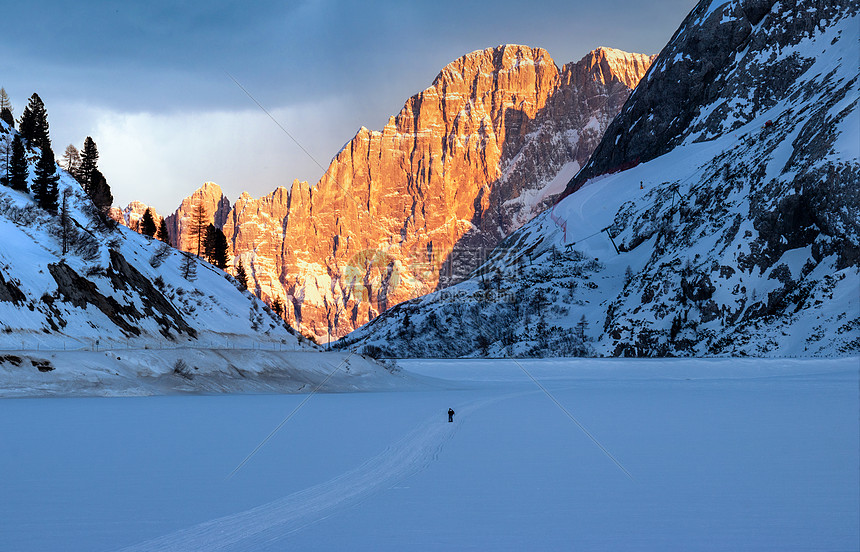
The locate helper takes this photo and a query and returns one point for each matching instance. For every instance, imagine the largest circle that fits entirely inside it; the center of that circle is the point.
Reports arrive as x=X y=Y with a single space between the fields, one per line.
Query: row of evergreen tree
x=209 y=240
x=33 y=132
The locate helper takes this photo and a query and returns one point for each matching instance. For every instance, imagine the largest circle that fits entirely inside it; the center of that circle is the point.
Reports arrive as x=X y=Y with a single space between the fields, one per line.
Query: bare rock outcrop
x=131 y=215
x=411 y=208
x=215 y=207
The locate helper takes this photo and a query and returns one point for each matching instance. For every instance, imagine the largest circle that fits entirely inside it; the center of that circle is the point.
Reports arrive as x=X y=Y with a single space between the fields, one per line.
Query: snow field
x=724 y=454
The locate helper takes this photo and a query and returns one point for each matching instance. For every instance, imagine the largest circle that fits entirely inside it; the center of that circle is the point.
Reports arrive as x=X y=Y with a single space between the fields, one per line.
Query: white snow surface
x=723 y=454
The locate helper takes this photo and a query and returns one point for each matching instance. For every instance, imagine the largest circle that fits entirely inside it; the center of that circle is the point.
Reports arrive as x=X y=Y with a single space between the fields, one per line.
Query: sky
x=153 y=82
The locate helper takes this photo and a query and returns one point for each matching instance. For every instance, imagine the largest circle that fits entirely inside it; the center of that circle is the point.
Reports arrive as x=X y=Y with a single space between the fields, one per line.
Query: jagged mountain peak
x=718 y=216
x=487 y=145
x=504 y=57
x=711 y=60
x=132 y=213
x=211 y=198
x=608 y=64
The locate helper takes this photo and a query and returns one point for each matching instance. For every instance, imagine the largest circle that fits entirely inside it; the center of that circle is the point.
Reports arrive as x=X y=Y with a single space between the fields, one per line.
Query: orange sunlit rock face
x=489 y=144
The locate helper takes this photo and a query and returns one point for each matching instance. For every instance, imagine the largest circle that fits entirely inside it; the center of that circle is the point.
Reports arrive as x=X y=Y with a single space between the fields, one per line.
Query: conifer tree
x=34 y=123
x=5 y=156
x=89 y=163
x=163 y=234
x=581 y=328
x=209 y=242
x=7 y=117
x=216 y=247
x=71 y=161
x=628 y=276
x=242 y=276
x=197 y=227
x=45 y=181
x=65 y=221
x=6 y=109
x=147 y=224
x=99 y=191
x=278 y=307
x=4 y=100
x=221 y=250
x=188 y=267
x=18 y=172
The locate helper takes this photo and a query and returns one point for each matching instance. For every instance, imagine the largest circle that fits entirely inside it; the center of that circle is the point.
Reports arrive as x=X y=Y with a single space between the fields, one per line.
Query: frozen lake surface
x=722 y=455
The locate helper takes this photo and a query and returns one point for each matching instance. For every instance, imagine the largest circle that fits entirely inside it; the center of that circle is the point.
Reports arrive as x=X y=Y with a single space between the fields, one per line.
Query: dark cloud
x=154 y=55
x=168 y=57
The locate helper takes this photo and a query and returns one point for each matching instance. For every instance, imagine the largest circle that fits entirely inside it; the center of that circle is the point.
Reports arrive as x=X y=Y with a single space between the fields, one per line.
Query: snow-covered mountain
x=88 y=305
x=402 y=211
x=720 y=214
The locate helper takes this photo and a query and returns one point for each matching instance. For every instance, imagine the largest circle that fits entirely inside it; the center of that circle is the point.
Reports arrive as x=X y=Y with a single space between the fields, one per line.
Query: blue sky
x=149 y=81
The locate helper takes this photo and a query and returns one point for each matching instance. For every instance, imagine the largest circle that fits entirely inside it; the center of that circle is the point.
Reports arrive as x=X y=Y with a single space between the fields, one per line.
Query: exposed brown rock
x=132 y=214
x=401 y=211
x=216 y=206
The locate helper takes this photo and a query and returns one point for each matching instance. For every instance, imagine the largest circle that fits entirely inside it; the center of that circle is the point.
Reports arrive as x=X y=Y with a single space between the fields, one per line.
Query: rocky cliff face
x=734 y=228
x=406 y=210
x=215 y=206
x=131 y=215
x=686 y=95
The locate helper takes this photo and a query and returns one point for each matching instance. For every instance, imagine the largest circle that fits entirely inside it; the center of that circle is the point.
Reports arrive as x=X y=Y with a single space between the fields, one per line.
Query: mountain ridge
x=736 y=235
x=88 y=307
x=476 y=154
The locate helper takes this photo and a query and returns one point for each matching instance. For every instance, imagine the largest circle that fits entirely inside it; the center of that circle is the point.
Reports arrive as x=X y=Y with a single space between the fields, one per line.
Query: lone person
x=450 y=415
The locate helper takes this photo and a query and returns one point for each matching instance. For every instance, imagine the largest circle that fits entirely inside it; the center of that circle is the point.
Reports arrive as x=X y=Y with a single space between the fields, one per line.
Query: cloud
x=148 y=80
x=161 y=158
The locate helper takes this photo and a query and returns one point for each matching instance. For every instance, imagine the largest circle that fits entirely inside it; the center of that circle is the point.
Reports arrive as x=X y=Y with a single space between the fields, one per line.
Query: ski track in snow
x=263 y=525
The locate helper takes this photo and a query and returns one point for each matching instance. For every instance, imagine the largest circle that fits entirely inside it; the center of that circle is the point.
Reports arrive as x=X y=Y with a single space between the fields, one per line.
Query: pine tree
x=19 y=172
x=197 y=227
x=242 y=276
x=99 y=191
x=147 y=224
x=676 y=327
x=215 y=247
x=209 y=242
x=88 y=164
x=163 y=234
x=5 y=156
x=71 y=161
x=188 y=267
x=581 y=328
x=7 y=117
x=65 y=221
x=45 y=181
x=628 y=276
x=4 y=100
x=6 y=109
x=34 y=123
x=278 y=307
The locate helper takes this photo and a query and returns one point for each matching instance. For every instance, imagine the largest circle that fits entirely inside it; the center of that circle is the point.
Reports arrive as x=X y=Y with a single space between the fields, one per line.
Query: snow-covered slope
x=92 y=317
x=740 y=235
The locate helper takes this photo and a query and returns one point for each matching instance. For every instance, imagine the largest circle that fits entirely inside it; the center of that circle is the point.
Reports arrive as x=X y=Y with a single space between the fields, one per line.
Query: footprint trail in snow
x=270 y=522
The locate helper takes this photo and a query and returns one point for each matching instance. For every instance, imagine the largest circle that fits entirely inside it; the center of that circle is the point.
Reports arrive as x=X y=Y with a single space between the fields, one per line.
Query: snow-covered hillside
x=740 y=238
x=88 y=320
